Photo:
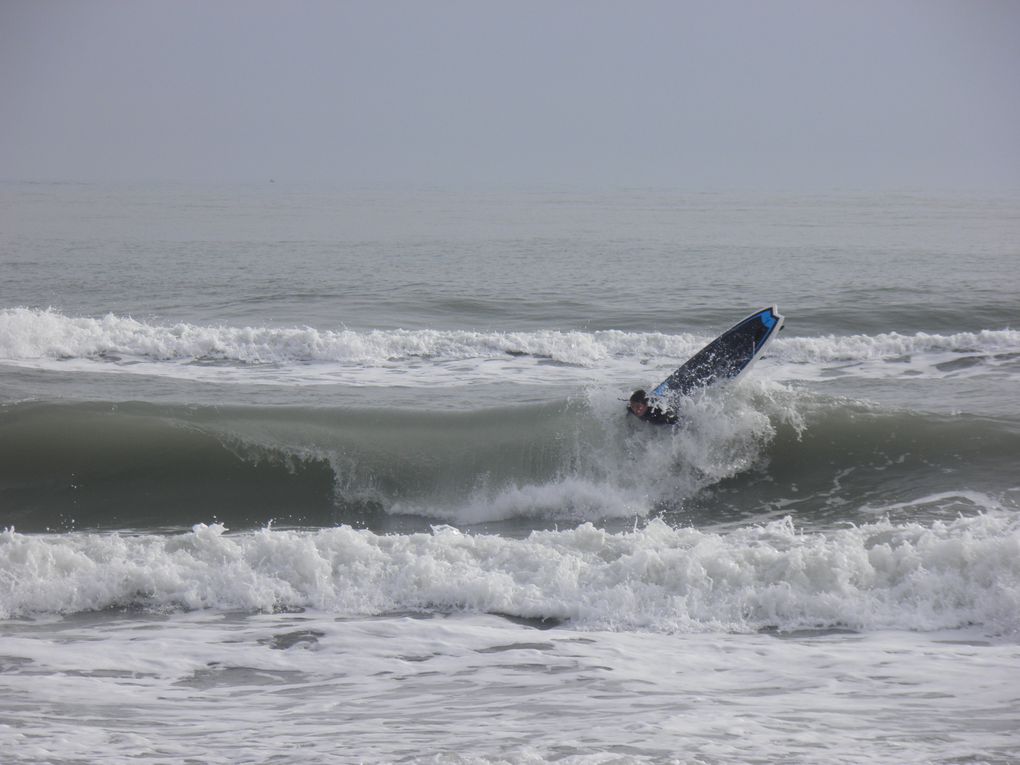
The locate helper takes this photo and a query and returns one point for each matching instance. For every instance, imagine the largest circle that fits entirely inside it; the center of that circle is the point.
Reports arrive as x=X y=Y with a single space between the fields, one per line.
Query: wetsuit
x=655 y=415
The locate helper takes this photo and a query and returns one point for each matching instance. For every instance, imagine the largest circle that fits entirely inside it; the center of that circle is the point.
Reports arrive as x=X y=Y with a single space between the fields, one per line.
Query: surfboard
x=726 y=357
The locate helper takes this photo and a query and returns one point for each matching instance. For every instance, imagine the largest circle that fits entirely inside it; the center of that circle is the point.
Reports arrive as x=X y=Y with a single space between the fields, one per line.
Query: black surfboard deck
x=726 y=357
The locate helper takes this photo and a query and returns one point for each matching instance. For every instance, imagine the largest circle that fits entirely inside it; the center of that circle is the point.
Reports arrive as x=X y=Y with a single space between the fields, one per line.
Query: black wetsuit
x=655 y=416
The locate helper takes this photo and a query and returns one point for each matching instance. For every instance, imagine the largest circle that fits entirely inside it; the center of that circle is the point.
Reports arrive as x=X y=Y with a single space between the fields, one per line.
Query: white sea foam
x=35 y=334
x=893 y=355
x=305 y=355
x=480 y=690
x=658 y=578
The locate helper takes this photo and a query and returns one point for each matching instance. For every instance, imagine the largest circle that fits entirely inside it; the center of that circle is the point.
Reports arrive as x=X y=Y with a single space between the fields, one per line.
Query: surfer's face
x=638 y=407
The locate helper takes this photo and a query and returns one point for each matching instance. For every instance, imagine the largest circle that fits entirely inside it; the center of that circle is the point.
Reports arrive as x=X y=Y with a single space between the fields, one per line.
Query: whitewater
x=296 y=474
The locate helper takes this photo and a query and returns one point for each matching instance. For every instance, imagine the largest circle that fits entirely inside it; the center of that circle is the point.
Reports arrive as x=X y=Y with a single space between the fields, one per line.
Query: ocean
x=290 y=474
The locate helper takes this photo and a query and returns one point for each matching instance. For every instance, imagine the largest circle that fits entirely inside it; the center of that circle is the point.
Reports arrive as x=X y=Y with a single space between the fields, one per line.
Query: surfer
x=640 y=407
x=725 y=358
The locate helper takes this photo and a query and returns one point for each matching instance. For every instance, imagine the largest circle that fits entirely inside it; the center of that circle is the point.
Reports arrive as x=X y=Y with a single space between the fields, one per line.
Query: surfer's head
x=638 y=402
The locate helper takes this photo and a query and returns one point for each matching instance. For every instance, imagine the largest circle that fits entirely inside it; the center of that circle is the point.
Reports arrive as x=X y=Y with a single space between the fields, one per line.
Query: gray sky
x=785 y=94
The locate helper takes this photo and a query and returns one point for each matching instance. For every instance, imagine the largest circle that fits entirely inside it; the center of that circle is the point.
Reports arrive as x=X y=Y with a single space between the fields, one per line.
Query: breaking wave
x=658 y=578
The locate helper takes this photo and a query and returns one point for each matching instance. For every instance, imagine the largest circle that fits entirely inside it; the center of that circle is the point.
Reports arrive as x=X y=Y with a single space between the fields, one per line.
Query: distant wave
x=30 y=333
x=893 y=344
x=874 y=576
x=305 y=354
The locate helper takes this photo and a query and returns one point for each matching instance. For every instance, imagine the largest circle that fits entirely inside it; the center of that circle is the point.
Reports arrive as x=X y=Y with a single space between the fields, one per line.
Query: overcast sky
x=784 y=94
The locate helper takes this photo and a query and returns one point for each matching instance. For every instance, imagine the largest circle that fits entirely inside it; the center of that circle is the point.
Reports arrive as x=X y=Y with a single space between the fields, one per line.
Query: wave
x=659 y=578
x=740 y=453
x=305 y=355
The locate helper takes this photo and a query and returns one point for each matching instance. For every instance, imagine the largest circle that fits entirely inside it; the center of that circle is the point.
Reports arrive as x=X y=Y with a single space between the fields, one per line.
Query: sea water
x=295 y=474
